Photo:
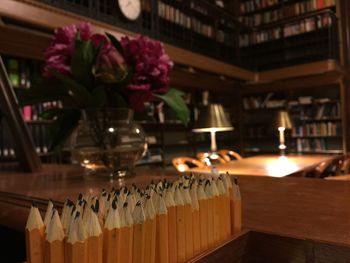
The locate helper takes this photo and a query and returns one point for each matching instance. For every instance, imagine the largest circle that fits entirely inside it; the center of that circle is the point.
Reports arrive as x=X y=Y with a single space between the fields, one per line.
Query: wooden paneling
x=258 y=247
x=326 y=79
x=235 y=250
x=23 y=43
x=298 y=71
x=201 y=81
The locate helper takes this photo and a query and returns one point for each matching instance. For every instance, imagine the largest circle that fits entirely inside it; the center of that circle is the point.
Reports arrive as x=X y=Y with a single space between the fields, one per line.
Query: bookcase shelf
x=257 y=12
x=315 y=112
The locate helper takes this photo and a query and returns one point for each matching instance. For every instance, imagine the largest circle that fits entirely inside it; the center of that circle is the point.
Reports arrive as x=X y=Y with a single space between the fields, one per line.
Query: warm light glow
x=207 y=161
x=214 y=156
x=282 y=145
x=111 y=130
x=222 y=129
x=86 y=161
x=281 y=166
x=137 y=130
x=182 y=167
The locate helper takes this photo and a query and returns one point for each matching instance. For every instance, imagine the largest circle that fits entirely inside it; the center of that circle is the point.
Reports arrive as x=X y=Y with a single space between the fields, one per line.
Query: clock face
x=131 y=9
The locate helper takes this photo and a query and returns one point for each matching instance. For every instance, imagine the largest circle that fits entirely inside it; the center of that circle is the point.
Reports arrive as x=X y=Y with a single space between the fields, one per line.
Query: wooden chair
x=229 y=155
x=184 y=164
x=210 y=159
x=345 y=169
x=327 y=168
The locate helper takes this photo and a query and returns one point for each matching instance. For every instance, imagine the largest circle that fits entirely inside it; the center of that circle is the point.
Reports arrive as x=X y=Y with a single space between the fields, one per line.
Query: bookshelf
x=255 y=13
x=197 y=25
x=316 y=113
x=21 y=73
x=301 y=39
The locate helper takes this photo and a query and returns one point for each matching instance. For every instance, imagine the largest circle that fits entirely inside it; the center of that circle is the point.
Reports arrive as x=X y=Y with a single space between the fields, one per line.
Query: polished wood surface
x=296 y=207
x=303 y=208
x=307 y=69
x=345 y=177
x=183 y=164
x=270 y=165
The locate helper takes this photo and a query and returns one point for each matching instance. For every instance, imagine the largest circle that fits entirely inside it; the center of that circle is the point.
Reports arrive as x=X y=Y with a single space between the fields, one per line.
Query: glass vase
x=108 y=142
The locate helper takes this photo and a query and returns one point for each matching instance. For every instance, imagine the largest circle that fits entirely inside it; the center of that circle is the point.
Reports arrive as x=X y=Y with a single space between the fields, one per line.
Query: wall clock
x=131 y=9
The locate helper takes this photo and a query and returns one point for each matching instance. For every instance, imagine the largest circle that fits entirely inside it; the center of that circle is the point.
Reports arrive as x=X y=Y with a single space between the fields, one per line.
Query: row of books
x=7 y=146
x=33 y=112
x=39 y=134
x=306 y=7
x=317 y=129
x=287 y=30
x=261 y=18
x=256 y=5
x=314 y=145
x=321 y=112
x=285 y=11
x=177 y=16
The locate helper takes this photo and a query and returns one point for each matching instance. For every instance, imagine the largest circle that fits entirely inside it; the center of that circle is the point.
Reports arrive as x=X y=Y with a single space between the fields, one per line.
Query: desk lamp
x=212 y=118
x=282 y=122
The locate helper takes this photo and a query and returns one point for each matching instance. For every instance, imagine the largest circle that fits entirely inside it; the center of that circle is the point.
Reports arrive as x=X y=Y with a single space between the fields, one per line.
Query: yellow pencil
x=54 y=241
x=34 y=233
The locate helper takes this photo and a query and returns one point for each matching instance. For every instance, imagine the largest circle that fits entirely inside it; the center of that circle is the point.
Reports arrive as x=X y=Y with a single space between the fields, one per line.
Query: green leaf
x=66 y=120
x=99 y=97
x=82 y=62
x=173 y=98
x=116 y=43
x=78 y=92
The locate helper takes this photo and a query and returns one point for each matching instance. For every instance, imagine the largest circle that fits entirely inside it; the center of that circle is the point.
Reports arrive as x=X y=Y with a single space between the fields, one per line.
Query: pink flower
x=150 y=64
x=59 y=53
x=110 y=64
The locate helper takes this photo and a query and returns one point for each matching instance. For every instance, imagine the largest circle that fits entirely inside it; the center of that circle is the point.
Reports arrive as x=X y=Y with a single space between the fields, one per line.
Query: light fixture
x=212 y=118
x=282 y=123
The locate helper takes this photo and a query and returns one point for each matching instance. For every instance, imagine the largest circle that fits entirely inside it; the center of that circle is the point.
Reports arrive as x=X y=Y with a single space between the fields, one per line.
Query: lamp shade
x=283 y=120
x=212 y=118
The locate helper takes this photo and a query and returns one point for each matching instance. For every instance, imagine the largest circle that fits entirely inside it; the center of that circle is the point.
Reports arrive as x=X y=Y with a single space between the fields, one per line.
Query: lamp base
x=282 y=149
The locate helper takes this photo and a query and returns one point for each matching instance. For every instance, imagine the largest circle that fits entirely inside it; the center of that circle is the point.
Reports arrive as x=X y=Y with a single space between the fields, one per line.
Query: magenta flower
x=59 y=53
x=110 y=65
x=150 y=64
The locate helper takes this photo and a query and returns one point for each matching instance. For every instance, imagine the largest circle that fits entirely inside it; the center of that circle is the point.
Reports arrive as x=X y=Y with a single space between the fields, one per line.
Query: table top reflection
x=270 y=165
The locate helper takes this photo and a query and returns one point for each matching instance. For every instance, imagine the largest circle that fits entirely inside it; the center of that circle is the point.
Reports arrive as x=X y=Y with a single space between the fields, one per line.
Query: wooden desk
x=270 y=165
x=345 y=177
x=302 y=208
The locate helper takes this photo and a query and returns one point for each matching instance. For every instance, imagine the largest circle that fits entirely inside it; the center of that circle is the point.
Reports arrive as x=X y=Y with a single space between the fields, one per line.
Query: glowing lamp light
x=274 y=167
x=182 y=167
x=282 y=122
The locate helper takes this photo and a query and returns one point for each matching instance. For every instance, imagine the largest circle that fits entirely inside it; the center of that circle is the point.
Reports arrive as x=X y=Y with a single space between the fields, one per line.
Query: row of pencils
x=165 y=222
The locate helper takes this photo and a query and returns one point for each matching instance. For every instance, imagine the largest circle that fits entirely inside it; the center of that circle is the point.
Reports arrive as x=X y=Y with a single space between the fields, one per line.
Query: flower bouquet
x=97 y=71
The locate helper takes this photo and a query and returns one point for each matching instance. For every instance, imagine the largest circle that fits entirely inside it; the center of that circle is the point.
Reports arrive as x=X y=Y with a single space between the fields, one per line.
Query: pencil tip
x=97 y=206
x=114 y=204
x=77 y=215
